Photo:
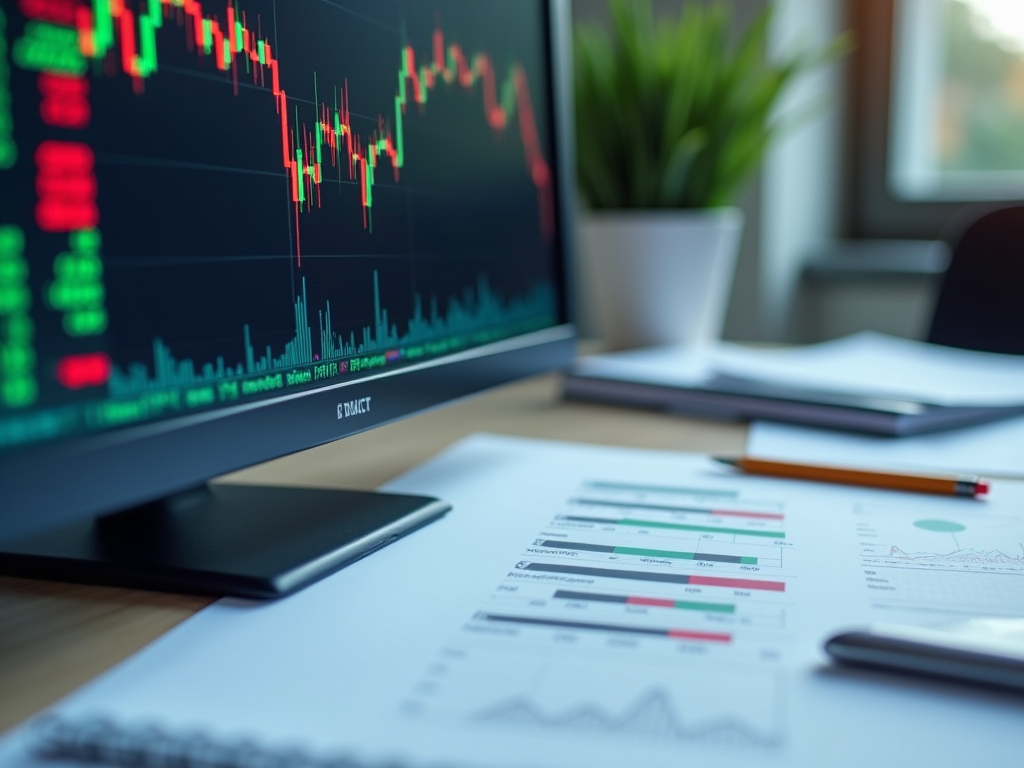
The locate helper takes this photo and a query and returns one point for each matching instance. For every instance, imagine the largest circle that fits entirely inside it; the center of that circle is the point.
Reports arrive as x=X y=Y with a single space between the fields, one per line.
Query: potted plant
x=671 y=120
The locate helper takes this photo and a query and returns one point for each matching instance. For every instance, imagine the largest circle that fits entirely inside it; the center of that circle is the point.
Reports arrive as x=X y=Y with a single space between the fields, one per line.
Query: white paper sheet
x=590 y=606
x=995 y=449
x=873 y=363
x=672 y=366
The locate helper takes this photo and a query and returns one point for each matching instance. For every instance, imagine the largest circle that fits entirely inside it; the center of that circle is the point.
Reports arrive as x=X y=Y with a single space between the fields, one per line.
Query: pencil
x=949 y=485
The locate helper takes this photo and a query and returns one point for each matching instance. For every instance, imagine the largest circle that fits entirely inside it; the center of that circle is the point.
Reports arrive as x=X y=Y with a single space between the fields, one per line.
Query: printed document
x=995 y=449
x=587 y=606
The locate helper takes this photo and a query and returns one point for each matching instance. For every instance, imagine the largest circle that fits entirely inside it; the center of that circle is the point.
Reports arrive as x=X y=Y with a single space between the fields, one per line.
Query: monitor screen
x=233 y=229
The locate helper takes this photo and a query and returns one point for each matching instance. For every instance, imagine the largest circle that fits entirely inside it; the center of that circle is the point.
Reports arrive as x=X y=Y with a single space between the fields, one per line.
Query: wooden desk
x=54 y=636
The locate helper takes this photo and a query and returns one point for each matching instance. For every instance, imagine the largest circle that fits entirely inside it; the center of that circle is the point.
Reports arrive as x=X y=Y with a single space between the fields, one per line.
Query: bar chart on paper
x=956 y=564
x=668 y=591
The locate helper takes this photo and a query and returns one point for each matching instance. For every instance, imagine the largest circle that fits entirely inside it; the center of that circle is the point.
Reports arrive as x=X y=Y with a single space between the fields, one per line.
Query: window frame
x=873 y=209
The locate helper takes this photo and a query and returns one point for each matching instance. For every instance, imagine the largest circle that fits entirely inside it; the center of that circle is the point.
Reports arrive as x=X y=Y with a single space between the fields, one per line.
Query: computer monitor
x=235 y=229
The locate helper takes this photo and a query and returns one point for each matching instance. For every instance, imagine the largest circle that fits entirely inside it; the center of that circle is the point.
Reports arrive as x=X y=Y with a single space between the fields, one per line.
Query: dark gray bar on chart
x=718 y=558
x=608 y=573
x=577 y=545
x=590 y=597
x=572 y=624
x=649 y=553
x=584 y=519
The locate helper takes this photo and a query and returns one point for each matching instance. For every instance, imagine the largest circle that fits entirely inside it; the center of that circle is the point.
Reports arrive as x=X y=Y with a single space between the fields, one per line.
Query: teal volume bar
x=479 y=316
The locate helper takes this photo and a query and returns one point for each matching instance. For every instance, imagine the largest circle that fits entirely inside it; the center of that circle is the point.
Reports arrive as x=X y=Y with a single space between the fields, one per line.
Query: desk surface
x=54 y=636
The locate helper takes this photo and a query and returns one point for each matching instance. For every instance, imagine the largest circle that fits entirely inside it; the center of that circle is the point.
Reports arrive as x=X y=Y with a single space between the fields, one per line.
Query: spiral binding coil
x=102 y=742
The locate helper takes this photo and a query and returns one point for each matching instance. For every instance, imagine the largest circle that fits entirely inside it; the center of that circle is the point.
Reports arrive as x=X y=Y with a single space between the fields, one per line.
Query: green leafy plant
x=670 y=115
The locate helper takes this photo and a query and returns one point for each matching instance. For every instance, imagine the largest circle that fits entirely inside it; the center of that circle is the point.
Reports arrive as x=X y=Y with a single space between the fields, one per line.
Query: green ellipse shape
x=940 y=526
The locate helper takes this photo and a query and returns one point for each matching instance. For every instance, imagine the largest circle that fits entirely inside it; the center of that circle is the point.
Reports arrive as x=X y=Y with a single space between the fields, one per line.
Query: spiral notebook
x=105 y=742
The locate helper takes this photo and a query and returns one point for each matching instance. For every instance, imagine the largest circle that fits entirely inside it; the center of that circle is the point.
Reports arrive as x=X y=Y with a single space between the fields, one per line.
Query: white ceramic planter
x=658 y=277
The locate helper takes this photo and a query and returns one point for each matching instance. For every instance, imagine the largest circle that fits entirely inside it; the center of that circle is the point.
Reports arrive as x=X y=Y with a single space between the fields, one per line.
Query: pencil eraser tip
x=981 y=488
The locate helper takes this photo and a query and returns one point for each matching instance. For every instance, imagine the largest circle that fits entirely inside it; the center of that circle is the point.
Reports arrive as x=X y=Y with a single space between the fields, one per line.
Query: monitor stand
x=224 y=539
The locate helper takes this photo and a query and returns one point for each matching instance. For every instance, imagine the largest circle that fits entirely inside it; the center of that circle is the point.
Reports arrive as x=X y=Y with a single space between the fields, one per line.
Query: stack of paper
x=868 y=382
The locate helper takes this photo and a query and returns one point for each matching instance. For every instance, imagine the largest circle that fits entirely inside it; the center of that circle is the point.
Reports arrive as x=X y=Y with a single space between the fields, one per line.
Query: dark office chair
x=981 y=304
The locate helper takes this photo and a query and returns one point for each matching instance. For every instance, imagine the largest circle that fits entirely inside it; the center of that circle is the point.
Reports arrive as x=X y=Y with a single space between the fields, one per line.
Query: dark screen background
x=200 y=234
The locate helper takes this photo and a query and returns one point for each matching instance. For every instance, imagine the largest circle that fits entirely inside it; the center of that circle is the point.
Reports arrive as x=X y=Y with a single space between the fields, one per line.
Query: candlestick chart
x=303 y=147
x=225 y=199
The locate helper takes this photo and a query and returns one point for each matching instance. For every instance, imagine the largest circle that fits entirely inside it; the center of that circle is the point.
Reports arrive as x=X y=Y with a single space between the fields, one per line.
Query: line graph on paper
x=992 y=558
x=736 y=706
x=653 y=715
x=979 y=545
x=927 y=566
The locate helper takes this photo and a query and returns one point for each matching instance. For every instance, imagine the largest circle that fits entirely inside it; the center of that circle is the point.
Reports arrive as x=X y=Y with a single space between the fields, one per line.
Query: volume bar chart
x=478 y=317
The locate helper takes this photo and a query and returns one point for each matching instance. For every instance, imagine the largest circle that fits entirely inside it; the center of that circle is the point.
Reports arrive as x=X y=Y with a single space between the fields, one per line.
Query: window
x=957 y=115
x=936 y=129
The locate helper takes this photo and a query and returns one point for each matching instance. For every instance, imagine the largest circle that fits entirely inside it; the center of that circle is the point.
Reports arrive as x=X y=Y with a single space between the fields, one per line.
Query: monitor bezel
x=57 y=482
